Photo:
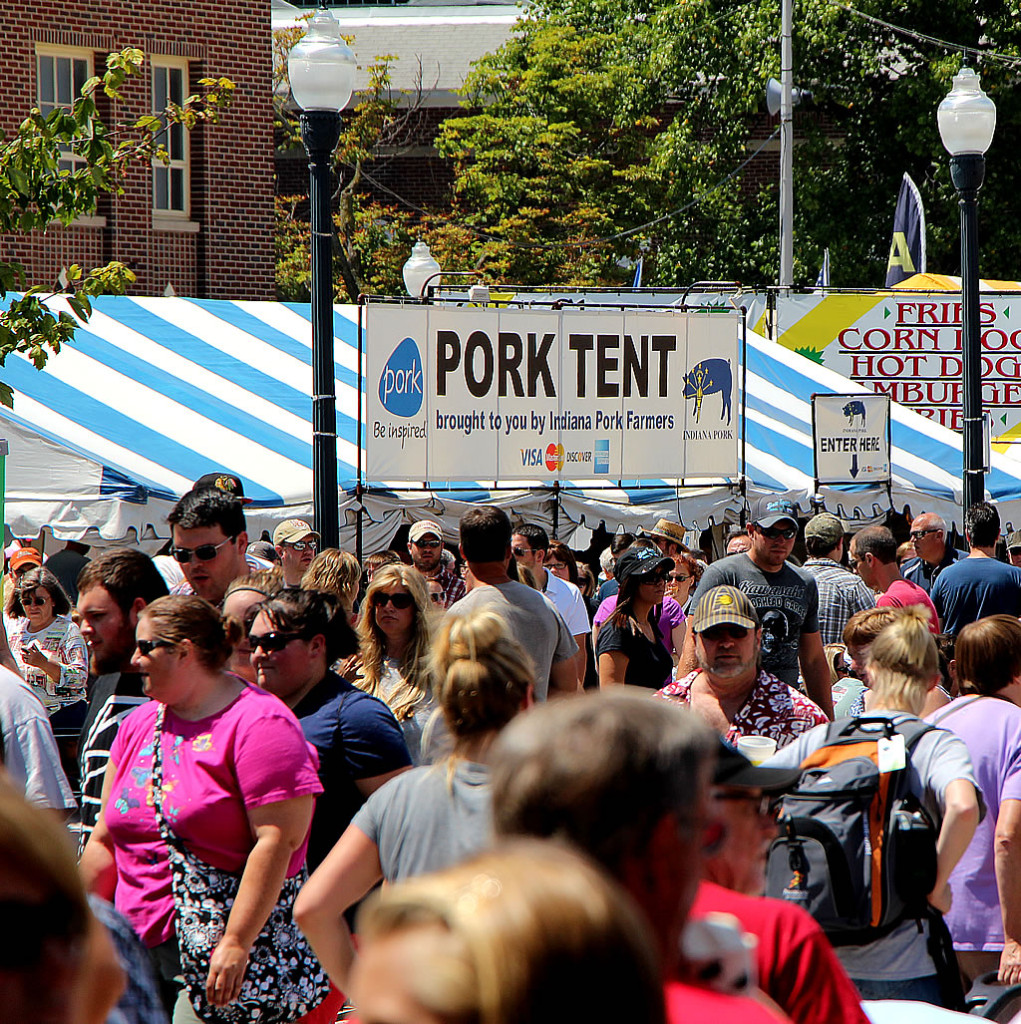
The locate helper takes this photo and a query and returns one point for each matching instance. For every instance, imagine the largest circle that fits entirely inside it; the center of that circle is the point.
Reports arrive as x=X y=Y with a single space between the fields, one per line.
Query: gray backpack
x=856 y=849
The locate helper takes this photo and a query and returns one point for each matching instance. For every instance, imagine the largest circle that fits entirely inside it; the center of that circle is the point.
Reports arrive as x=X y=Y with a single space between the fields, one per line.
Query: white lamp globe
x=967 y=116
x=421 y=266
x=321 y=66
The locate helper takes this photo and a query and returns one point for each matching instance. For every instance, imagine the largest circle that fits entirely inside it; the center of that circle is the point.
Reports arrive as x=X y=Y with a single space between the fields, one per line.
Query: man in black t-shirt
x=786 y=599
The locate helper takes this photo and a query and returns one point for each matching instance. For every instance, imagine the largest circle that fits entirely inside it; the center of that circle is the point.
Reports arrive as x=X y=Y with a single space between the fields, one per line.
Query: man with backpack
x=885 y=808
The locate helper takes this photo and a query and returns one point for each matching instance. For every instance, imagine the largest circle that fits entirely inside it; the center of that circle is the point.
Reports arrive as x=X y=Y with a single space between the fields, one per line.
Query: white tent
x=155 y=392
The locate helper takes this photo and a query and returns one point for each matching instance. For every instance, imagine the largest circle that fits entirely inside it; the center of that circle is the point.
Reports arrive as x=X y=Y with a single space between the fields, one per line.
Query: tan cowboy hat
x=668 y=531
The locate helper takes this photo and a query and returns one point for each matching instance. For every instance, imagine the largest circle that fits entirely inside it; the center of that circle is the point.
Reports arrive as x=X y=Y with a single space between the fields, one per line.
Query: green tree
x=35 y=193
x=600 y=116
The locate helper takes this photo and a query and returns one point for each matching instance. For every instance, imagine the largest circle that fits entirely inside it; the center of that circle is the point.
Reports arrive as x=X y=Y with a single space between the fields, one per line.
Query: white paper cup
x=756 y=748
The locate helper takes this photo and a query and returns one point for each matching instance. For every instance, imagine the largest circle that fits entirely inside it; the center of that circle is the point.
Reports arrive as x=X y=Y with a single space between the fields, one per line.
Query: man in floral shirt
x=730 y=690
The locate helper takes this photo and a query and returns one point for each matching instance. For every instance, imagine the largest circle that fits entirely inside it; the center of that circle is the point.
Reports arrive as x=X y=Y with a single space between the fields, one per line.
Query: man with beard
x=112 y=591
x=730 y=691
x=785 y=597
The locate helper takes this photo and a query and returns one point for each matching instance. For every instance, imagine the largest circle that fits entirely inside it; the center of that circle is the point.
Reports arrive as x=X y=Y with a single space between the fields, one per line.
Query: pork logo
x=400 y=383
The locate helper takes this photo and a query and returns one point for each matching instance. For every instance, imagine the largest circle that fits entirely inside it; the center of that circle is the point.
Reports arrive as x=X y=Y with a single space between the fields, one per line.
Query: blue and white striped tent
x=155 y=392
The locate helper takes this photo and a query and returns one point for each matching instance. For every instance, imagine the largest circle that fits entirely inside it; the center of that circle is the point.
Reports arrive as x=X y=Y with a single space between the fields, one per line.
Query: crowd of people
x=479 y=779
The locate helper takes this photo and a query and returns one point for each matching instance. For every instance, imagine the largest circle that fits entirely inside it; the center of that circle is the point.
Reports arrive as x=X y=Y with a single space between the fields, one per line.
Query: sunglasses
x=146 y=647
x=772 y=532
x=717 y=633
x=520 y=552
x=677 y=577
x=27 y=927
x=298 y=545
x=915 y=534
x=654 y=578
x=204 y=552
x=553 y=566
x=430 y=544
x=399 y=601
x=271 y=643
x=34 y=602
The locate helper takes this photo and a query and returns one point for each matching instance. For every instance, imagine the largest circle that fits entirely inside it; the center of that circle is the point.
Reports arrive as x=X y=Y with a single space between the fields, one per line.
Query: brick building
x=202 y=226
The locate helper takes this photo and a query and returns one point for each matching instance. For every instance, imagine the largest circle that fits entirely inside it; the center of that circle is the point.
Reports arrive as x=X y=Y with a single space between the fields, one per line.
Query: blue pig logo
x=853 y=410
x=400 y=383
x=707 y=378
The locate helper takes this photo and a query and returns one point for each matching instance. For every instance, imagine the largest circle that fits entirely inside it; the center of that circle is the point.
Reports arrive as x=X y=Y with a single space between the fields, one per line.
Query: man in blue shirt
x=978 y=585
x=929 y=539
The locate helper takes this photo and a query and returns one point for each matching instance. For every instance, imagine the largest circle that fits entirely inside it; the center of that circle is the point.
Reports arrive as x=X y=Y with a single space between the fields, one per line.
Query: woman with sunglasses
x=435 y=815
x=395 y=632
x=682 y=579
x=629 y=646
x=204 y=736
x=47 y=646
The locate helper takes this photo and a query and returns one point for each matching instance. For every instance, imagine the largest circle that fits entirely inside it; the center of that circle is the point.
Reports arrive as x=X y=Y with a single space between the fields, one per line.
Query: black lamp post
x=321 y=68
x=967 y=120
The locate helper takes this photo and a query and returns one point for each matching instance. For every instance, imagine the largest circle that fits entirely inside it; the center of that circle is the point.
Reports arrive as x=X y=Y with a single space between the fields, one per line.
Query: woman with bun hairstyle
x=530 y=932
x=902 y=668
x=231 y=806
x=432 y=816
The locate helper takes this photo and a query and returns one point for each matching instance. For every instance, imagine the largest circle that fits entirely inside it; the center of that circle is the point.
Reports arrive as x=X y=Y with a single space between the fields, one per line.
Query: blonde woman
x=530 y=932
x=395 y=632
x=432 y=816
x=335 y=572
x=902 y=668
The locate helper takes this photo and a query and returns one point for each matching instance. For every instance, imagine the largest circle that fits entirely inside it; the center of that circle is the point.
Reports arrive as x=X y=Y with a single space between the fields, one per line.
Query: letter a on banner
x=907 y=251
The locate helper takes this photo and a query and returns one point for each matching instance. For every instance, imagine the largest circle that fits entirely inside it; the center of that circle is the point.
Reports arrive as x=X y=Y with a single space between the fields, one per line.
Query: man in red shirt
x=873 y=555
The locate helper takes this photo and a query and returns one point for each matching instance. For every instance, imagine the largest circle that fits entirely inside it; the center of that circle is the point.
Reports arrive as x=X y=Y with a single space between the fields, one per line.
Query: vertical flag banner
x=907 y=250
x=823 y=280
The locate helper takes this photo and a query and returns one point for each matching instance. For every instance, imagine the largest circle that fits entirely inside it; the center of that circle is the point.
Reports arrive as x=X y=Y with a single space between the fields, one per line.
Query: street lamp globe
x=967 y=116
x=321 y=66
x=421 y=266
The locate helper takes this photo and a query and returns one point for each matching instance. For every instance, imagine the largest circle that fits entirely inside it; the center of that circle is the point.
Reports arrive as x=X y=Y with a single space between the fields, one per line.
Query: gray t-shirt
x=425 y=820
x=938 y=759
x=787 y=602
x=533 y=621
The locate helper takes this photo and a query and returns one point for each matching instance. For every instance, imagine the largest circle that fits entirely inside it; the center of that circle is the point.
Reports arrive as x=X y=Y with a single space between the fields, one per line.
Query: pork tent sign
x=465 y=393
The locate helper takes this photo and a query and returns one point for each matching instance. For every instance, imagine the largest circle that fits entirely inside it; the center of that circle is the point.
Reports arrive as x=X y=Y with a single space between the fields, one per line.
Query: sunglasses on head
x=204 y=552
x=772 y=532
x=146 y=647
x=399 y=601
x=272 y=642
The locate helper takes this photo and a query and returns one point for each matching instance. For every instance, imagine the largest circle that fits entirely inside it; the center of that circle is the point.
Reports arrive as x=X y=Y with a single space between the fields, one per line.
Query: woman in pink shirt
x=231 y=805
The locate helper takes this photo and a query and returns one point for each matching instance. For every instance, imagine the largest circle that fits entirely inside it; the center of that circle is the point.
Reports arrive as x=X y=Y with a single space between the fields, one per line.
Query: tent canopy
x=155 y=392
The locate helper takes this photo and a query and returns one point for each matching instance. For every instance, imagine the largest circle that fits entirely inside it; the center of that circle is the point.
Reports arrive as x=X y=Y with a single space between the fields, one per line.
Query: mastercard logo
x=554 y=457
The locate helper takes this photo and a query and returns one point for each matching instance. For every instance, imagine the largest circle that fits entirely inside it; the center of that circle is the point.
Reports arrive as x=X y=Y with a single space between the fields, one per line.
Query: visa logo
x=400 y=383
x=533 y=457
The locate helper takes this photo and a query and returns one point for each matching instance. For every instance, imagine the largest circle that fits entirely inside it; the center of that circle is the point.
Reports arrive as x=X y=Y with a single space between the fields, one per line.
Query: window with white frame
x=170 y=178
x=60 y=74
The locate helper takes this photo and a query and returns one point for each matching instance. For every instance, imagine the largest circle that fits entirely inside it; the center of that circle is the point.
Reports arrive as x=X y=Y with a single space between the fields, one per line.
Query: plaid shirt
x=772 y=709
x=453 y=586
x=841 y=594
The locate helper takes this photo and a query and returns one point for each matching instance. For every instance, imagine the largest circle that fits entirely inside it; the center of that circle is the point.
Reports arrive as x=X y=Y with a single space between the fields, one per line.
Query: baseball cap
x=641 y=562
x=291 y=530
x=222 y=482
x=423 y=528
x=264 y=549
x=724 y=606
x=25 y=556
x=734 y=769
x=1014 y=540
x=770 y=511
x=826 y=527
